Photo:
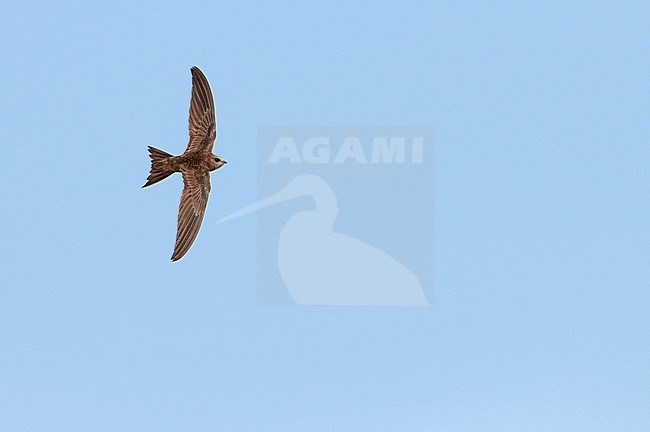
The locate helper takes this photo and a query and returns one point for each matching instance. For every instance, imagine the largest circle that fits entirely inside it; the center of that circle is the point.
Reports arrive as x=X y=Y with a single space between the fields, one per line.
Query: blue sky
x=539 y=320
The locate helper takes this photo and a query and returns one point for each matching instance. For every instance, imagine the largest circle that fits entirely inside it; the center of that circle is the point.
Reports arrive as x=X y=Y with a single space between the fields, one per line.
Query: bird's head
x=217 y=162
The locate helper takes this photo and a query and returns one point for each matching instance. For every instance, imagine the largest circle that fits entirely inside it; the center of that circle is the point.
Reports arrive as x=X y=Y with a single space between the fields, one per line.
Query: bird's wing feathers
x=202 y=122
x=194 y=199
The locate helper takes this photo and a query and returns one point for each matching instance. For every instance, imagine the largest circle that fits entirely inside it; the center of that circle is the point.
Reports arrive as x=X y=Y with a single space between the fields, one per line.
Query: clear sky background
x=541 y=314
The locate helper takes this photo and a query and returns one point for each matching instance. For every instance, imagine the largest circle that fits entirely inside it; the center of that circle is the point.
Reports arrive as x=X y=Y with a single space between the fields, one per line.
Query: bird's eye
x=217 y=160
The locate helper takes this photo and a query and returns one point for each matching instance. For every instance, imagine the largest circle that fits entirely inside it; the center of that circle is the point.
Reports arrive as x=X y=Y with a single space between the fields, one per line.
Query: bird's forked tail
x=159 y=166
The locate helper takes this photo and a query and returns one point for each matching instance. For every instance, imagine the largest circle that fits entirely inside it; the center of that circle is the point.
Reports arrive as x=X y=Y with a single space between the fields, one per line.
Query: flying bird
x=194 y=164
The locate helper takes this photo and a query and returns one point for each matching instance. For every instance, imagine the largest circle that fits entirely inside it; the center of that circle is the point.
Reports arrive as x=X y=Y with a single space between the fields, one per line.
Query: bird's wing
x=194 y=199
x=202 y=123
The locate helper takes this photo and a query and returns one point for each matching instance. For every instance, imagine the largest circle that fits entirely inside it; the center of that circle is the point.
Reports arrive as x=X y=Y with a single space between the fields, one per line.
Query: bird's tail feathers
x=159 y=168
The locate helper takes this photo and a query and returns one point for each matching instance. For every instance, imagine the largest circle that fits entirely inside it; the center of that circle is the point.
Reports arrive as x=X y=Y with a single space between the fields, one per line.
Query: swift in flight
x=195 y=164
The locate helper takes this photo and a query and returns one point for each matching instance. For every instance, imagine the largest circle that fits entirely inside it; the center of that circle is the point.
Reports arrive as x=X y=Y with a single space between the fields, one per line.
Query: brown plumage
x=194 y=164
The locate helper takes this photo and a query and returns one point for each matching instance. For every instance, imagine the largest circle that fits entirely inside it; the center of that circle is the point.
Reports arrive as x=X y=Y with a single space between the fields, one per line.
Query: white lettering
x=351 y=149
x=417 y=146
x=316 y=150
x=383 y=152
x=285 y=148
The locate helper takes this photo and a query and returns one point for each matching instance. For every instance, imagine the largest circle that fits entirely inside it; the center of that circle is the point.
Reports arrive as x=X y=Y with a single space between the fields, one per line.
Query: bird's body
x=195 y=164
x=196 y=161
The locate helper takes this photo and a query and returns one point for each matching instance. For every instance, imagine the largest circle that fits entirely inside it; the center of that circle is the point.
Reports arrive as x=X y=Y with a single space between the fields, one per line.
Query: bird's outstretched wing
x=202 y=122
x=194 y=199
